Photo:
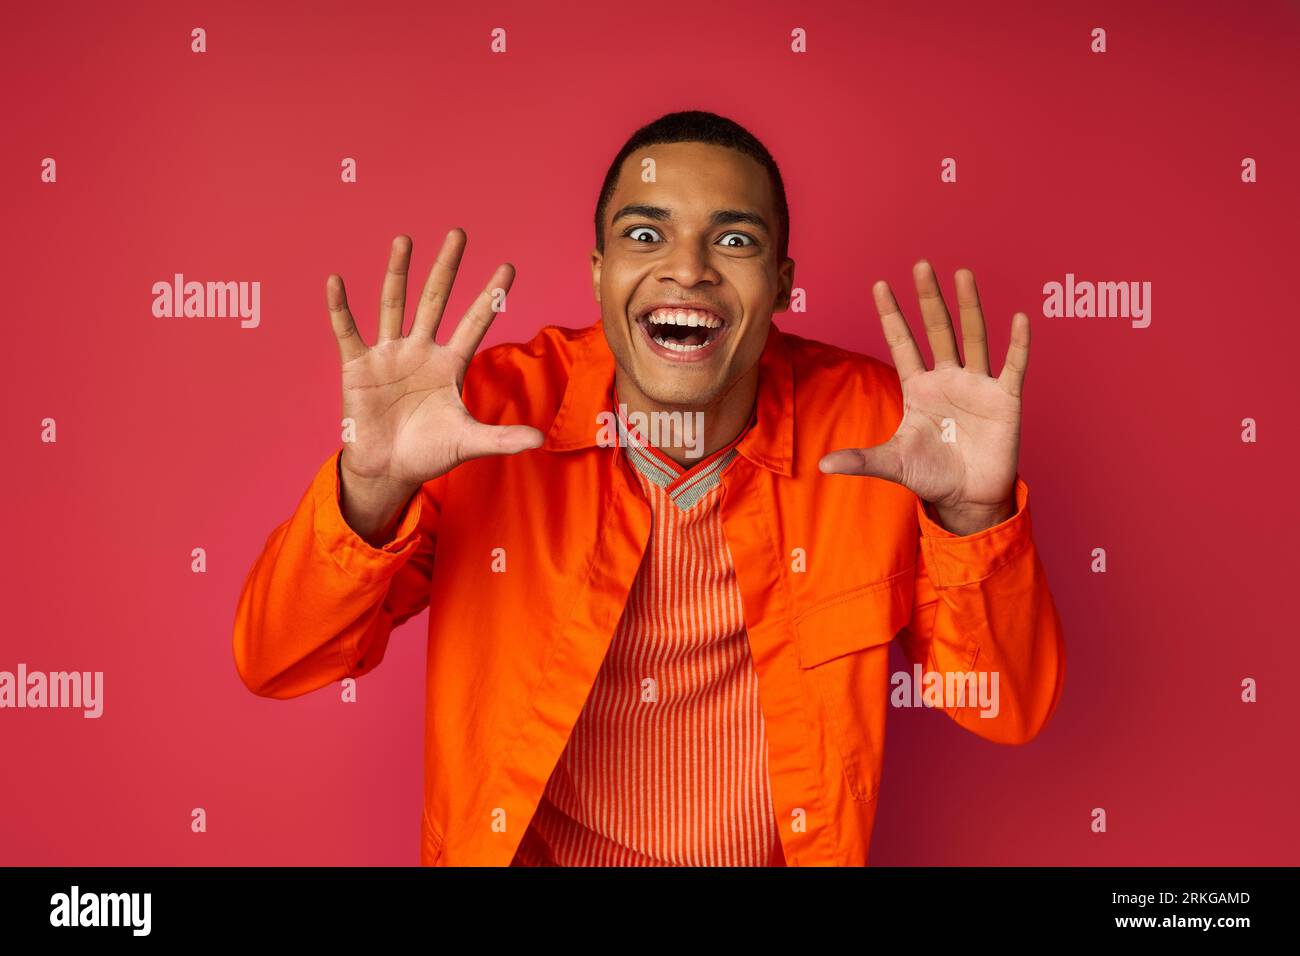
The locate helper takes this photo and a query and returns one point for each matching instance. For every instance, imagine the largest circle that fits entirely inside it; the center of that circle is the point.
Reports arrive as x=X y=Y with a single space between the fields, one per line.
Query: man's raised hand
x=958 y=442
x=403 y=392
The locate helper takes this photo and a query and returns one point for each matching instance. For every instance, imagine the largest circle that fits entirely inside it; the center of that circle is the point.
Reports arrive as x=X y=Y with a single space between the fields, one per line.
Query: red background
x=183 y=433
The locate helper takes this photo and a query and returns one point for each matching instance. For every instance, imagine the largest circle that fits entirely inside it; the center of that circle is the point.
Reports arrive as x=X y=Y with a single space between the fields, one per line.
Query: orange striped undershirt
x=667 y=763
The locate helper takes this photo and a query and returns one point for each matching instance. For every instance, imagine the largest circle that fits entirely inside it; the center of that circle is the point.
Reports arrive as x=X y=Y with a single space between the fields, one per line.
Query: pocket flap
x=859 y=618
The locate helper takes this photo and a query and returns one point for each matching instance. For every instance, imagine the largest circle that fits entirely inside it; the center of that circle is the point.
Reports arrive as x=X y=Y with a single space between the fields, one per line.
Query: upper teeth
x=684 y=317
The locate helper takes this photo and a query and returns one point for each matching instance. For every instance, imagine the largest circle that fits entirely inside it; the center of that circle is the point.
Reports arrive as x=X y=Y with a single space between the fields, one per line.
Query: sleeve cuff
x=352 y=553
x=953 y=560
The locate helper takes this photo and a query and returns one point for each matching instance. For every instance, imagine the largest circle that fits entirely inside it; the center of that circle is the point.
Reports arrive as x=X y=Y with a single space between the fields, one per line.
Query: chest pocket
x=843 y=648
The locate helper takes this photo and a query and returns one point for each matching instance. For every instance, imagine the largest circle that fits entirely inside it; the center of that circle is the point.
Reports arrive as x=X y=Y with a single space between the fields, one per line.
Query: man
x=669 y=651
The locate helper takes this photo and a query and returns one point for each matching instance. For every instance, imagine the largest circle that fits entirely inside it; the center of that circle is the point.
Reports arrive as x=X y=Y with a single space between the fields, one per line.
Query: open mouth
x=682 y=332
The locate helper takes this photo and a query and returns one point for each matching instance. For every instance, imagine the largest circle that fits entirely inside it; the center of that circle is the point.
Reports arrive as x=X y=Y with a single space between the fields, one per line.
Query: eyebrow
x=720 y=217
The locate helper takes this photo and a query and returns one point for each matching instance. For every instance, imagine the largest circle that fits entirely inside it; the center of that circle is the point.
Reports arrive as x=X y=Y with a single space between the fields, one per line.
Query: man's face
x=689 y=278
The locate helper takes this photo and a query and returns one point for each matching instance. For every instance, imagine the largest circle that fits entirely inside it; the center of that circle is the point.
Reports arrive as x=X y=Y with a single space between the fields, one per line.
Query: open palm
x=958 y=442
x=403 y=392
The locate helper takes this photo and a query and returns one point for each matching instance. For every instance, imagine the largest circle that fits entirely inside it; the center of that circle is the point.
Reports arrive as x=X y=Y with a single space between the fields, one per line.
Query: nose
x=688 y=262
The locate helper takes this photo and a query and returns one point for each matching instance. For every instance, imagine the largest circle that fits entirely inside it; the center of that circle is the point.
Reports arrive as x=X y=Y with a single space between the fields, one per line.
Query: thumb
x=878 y=461
x=479 y=440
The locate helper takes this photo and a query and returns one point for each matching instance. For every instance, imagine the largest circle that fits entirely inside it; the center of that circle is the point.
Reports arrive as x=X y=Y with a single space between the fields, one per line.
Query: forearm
x=372 y=507
x=983 y=605
x=319 y=602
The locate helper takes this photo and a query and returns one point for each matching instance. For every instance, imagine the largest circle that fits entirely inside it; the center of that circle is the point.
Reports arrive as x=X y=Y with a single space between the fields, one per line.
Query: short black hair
x=698 y=126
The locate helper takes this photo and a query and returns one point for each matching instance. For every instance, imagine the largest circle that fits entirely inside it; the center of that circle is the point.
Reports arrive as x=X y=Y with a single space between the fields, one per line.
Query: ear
x=596 y=260
x=785 y=285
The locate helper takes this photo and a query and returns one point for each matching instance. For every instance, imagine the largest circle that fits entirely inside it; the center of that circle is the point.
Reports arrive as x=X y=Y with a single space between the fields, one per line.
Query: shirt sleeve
x=320 y=602
x=982 y=606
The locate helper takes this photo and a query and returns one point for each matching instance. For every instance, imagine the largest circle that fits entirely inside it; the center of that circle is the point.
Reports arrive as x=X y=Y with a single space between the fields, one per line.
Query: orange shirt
x=667 y=764
x=527 y=562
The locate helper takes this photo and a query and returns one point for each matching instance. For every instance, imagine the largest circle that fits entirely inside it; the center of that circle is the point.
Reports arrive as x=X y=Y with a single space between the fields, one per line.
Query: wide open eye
x=636 y=229
x=749 y=240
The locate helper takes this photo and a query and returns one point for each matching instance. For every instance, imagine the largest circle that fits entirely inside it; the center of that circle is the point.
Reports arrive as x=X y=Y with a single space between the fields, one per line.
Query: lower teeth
x=678 y=346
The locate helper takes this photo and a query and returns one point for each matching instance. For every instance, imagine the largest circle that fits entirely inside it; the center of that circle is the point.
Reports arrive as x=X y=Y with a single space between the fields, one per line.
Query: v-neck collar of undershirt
x=685 y=486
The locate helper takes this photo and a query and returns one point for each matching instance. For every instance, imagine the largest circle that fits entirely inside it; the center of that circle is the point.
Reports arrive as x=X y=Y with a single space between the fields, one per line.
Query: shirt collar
x=589 y=393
